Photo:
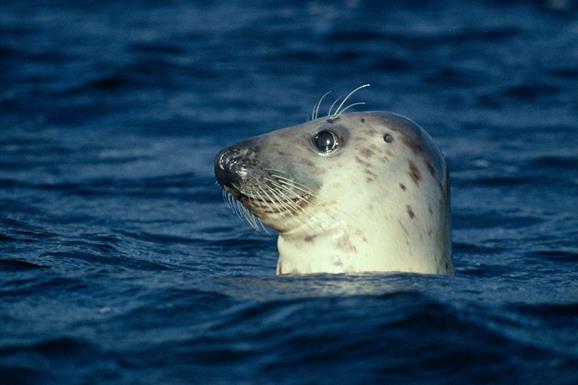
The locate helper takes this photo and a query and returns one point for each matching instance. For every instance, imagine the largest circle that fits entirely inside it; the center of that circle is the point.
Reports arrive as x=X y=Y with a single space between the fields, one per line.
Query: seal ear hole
x=388 y=138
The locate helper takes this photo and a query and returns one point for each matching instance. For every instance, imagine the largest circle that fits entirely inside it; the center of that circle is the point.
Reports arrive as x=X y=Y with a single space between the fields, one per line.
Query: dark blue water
x=120 y=264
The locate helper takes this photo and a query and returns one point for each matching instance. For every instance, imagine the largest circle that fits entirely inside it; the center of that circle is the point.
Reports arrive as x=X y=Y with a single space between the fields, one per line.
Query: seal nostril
x=226 y=167
x=221 y=159
x=221 y=166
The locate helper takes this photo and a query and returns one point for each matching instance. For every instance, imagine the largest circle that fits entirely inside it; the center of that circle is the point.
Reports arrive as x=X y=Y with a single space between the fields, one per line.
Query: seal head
x=362 y=192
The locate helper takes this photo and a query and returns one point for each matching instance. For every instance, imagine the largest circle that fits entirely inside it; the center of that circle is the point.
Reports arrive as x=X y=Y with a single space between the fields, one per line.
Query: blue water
x=120 y=264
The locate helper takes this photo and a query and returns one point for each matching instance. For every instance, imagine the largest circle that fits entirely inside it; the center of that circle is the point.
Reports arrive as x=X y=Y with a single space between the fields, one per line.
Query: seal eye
x=325 y=141
x=388 y=138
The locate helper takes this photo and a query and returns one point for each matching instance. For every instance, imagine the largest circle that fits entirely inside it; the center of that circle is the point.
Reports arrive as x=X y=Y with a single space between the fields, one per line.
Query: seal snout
x=232 y=165
x=225 y=170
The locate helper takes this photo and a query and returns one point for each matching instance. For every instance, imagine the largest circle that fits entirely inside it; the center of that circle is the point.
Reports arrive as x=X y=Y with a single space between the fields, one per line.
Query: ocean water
x=120 y=263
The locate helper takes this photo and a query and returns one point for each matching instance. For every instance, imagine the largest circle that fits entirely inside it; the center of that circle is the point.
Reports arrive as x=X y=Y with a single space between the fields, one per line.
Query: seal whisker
x=241 y=211
x=333 y=105
x=279 y=197
x=315 y=112
x=279 y=175
x=348 y=107
x=233 y=204
x=290 y=209
x=237 y=209
x=347 y=97
x=292 y=183
x=330 y=212
x=259 y=189
x=225 y=199
x=277 y=187
x=287 y=202
x=298 y=210
x=296 y=189
x=272 y=201
x=250 y=217
x=266 y=201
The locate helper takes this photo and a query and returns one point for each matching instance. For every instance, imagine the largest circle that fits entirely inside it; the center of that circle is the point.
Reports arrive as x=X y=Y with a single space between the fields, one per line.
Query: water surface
x=120 y=264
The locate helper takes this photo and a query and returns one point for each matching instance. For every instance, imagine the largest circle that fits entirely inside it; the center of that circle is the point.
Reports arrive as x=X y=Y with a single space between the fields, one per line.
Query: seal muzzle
x=234 y=165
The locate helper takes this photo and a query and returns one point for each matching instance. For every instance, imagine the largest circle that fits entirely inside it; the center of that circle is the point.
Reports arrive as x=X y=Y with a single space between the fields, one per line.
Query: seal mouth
x=267 y=202
x=282 y=206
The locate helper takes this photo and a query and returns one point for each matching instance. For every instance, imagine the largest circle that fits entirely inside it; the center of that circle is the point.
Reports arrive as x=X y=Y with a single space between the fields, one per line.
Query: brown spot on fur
x=362 y=162
x=362 y=120
x=414 y=172
x=345 y=244
x=410 y=211
x=359 y=233
x=308 y=162
x=389 y=152
x=366 y=153
x=370 y=173
x=370 y=176
x=402 y=186
x=309 y=238
x=412 y=143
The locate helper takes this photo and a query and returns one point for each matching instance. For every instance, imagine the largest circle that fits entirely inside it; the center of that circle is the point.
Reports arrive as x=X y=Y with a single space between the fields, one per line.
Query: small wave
x=497 y=219
x=158 y=48
x=18 y=265
x=566 y=73
x=457 y=35
x=60 y=346
x=113 y=259
x=475 y=249
x=562 y=163
x=500 y=181
x=557 y=255
x=531 y=92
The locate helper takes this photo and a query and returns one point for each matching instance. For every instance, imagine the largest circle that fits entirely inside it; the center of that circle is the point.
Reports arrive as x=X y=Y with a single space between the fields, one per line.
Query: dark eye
x=325 y=141
x=388 y=138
